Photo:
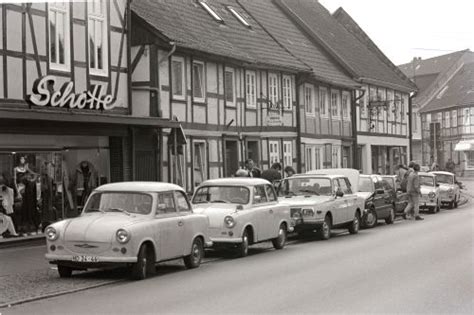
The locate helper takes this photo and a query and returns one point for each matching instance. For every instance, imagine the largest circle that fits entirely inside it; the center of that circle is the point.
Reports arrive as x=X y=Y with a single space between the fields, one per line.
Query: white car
x=131 y=223
x=449 y=189
x=243 y=211
x=430 y=193
x=321 y=202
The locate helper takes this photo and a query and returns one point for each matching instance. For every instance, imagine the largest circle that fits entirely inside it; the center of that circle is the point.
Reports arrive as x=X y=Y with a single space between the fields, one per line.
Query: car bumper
x=224 y=240
x=100 y=259
x=427 y=204
x=307 y=224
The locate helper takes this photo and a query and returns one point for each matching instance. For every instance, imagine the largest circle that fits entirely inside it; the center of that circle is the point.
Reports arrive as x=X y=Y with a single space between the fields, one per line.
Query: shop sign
x=44 y=95
x=274 y=119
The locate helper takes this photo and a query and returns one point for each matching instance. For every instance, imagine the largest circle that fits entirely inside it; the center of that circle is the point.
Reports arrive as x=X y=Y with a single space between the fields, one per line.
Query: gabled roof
x=299 y=44
x=430 y=66
x=355 y=56
x=352 y=27
x=191 y=27
x=458 y=91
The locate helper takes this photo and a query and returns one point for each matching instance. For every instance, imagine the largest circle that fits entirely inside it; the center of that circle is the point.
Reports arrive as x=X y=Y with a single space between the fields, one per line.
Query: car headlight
x=229 y=221
x=308 y=212
x=122 y=236
x=450 y=191
x=431 y=194
x=51 y=233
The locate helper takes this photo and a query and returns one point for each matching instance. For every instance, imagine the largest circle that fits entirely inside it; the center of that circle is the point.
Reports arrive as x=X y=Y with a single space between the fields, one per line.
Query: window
x=270 y=193
x=309 y=99
x=345 y=104
x=251 y=89
x=273 y=88
x=259 y=195
x=200 y=163
x=177 y=78
x=362 y=103
x=309 y=158
x=441 y=93
x=397 y=104
x=199 y=93
x=439 y=117
x=323 y=102
x=287 y=93
x=229 y=87
x=274 y=152
x=239 y=17
x=336 y=156
x=454 y=118
x=470 y=158
x=343 y=185
x=415 y=121
x=466 y=121
x=447 y=119
x=335 y=104
x=287 y=153
x=98 y=41
x=182 y=202
x=211 y=11
x=390 y=106
x=59 y=48
x=403 y=106
x=165 y=203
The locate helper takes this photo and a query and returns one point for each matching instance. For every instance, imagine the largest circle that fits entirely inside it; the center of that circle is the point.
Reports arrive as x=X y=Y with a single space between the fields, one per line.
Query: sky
x=404 y=29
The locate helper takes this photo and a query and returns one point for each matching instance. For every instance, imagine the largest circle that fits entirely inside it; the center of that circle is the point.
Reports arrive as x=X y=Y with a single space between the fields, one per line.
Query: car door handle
x=180 y=223
x=270 y=211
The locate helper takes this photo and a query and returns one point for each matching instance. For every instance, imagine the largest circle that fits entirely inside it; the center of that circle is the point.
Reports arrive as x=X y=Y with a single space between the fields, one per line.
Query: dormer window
x=239 y=17
x=211 y=11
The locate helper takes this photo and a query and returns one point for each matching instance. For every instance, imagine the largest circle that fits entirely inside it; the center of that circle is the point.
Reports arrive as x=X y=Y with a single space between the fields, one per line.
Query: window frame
x=310 y=87
x=178 y=193
x=232 y=72
x=338 y=104
x=103 y=18
x=204 y=163
x=273 y=144
x=52 y=7
x=323 y=101
x=287 y=86
x=288 y=154
x=273 y=98
x=182 y=96
x=201 y=99
x=211 y=11
x=346 y=113
x=239 y=16
x=251 y=98
x=454 y=118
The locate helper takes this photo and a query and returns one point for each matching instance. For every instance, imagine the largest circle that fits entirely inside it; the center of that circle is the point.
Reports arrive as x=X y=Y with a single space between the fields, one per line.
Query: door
x=253 y=152
x=169 y=228
x=381 y=201
x=276 y=211
x=231 y=157
x=263 y=213
x=338 y=205
x=349 y=199
x=188 y=225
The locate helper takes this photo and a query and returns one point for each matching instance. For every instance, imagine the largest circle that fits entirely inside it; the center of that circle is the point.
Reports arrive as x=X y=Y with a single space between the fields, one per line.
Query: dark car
x=400 y=197
x=379 y=201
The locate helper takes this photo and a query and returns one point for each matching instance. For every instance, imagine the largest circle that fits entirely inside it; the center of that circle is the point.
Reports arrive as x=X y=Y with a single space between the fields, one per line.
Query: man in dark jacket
x=414 y=193
x=272 y=174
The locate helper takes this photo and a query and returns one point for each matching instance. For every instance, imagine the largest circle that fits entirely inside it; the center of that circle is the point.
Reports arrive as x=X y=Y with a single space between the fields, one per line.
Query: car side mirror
x=339 y=193
x=437 y=185
x=380 y=191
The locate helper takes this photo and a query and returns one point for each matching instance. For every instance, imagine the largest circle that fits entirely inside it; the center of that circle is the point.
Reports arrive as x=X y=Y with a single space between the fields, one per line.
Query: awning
x=465 y=145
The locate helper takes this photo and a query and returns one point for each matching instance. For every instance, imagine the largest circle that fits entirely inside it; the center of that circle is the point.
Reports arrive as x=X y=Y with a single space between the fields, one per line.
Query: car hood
x=364 y=194
x=425 y=190
x=215 y=212
x=446 y=187
x=97 y=227
x=301 y=201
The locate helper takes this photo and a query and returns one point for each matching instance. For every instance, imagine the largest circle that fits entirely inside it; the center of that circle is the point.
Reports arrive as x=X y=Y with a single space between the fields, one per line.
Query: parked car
x=320 y=202
x=449 y=189
x=430 y=192
x=242 y=212
x=379 y=200
x=400 y=197
x=135 y=224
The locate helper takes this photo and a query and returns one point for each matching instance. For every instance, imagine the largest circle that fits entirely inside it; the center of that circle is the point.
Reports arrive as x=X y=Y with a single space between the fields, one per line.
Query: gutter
x=410 y=134
x=355 y=155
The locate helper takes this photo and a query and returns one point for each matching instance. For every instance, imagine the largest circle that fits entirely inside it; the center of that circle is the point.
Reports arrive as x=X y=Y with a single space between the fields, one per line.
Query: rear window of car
x=365 y=184
x=222 y=194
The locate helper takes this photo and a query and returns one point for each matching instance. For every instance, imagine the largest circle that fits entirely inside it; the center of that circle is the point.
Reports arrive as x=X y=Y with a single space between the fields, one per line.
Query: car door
x=189 y=224
x=262 y=213
x=379 y=198
x=337 y=205
x=275 y=211
x=169 y=227
x=349 y=199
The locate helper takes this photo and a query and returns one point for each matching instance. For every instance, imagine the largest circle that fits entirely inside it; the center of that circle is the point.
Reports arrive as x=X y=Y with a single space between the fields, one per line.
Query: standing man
x=250 y=167
x=414 y=193
x=450 y=166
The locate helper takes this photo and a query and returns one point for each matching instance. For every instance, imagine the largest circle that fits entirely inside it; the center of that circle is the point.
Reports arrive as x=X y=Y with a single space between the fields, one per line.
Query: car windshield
x=427 y=181
x=365 y=184
x=295 y=186
x=125 y=202
x=222 y=194
x=389 y=181
x=445 y=178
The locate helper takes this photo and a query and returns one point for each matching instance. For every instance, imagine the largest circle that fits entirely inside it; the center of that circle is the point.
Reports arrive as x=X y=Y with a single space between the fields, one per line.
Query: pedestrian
x=290 y=171
x=400 y=171
x=6 y=209
x=272 y=174
x=242 y=173
x=414 y=193
x=434 y=166
x=450 y=166
x=252 y=169
x=403 y=182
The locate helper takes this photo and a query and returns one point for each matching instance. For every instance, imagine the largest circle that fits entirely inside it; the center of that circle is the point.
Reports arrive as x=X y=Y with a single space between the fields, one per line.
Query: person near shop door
x=84 y=180
x=6 y=208
x=414 y=193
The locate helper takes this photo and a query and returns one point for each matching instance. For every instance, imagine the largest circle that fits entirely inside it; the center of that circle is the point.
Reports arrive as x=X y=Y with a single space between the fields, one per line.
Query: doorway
x=253 y=152
x=231 y=157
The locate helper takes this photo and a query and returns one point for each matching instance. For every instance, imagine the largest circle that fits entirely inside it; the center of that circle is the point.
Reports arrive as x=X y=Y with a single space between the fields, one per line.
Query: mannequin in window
x=83 y=182
x=19 y=176
x=29 y=211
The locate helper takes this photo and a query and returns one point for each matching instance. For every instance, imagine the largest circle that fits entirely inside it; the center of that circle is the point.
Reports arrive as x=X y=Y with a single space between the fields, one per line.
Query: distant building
x=445 y=105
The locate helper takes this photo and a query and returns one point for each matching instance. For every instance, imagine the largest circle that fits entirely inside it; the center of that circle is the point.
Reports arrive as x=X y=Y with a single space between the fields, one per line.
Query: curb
x=51 y=295
x=21 y=241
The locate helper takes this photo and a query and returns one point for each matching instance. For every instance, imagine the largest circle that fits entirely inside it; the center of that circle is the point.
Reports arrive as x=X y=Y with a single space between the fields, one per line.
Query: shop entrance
x=253 y=152
x=231 y=157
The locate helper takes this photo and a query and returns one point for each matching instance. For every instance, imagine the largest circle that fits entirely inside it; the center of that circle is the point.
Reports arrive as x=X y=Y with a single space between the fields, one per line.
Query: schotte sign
x=44 y=95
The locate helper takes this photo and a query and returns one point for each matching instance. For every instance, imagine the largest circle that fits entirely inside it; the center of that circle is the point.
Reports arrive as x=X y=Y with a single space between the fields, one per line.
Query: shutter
x=145 y=155
x=116 y=159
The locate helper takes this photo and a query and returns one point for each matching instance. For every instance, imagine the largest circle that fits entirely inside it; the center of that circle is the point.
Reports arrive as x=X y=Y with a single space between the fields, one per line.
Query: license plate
x=83 y=258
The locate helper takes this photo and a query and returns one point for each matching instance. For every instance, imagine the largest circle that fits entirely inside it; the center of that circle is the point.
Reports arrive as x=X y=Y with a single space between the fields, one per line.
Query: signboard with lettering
x=274 y=119
x=45 y=95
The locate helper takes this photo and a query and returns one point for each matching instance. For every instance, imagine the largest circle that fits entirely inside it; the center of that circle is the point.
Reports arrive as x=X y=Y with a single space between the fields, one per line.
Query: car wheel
x=145 y=264
x=193 y=260
x=324 y=232
x=243 y=248
x=355 y=224
x=391 y=217
x=64 y=272
x=280 y=241
x=371 y=219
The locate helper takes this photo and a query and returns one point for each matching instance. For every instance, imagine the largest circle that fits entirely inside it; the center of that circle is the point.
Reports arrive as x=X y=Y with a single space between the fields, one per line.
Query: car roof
x=139 y=187
x=426 y=174
x=391 y=176
x=442 y=173
x=350 y=173
x=309 y=175
x=236 y=181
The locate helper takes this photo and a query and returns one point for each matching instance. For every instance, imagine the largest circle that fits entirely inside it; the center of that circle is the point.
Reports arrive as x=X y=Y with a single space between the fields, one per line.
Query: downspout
x=298 y=124
x=410 y=135
x=355 y=151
